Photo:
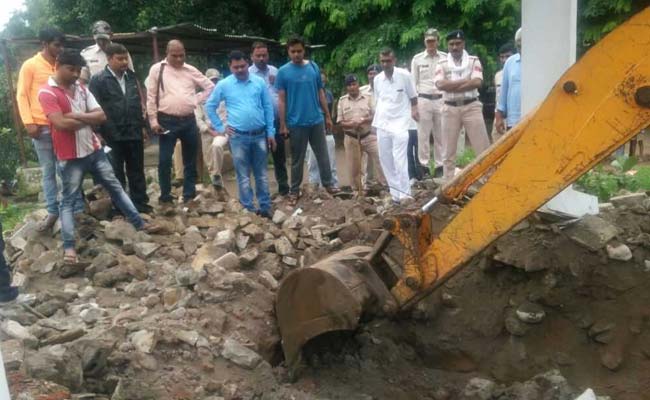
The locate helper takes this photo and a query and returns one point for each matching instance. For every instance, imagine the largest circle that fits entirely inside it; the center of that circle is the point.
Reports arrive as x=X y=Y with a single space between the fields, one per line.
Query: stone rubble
x=190 y=313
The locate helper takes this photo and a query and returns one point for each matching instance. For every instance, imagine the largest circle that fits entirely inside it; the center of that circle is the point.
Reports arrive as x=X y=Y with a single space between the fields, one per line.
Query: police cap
x=457 y=34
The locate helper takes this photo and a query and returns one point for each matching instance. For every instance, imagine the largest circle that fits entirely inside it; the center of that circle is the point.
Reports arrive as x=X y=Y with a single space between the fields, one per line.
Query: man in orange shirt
x=34 y=74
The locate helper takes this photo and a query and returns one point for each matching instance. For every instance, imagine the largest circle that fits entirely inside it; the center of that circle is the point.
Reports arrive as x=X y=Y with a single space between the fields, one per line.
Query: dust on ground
x=549 y=310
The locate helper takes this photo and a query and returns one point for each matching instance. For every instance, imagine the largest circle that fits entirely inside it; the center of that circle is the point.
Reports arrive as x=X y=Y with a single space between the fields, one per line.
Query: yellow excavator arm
x=598 y=105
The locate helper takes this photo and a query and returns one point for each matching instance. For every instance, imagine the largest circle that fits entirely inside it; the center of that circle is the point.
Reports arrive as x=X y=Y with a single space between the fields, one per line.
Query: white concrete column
x=548 y=46
x=549 y=42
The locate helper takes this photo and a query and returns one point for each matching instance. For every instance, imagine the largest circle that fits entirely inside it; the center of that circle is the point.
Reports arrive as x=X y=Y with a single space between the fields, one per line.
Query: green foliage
x=607 y=182
x=12 y=214
x=8 y=154
x=468 y=155
x=354 y=31
x=77 y=16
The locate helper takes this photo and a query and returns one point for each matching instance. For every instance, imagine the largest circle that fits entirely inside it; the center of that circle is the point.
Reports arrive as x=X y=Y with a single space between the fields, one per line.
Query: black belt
x=430 y=96
x=181 y=117
x=249 y=133
x=354 y=135
x=458 y=103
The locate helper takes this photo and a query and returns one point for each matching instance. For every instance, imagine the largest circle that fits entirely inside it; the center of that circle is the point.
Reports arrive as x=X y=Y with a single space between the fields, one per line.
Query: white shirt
x=121 y=80
x=96 y=59
x=393 y=101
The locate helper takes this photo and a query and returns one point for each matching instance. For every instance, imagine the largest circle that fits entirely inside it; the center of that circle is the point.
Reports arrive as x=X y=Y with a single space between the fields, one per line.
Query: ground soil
x=596 y=328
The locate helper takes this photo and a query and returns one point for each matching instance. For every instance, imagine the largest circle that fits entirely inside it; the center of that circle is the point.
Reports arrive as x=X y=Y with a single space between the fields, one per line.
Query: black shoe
x=8 y=294
x=438 y=172
x=187 y=200
x=265 y=214
x=169 y=199
x=217 y=182
x=177 y=183
x=144 y=208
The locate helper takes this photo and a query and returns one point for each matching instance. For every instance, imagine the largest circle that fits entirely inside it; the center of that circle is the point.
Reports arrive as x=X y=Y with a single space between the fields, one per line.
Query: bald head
x=175 y=53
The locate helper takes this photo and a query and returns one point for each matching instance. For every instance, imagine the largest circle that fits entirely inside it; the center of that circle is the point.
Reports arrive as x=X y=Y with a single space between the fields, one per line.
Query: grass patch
x=467 y=156
x=12 y=214
x=607 y=181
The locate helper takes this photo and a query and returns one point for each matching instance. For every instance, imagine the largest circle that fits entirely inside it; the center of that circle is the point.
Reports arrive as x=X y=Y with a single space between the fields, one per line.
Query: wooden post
x=12 y=100
x=154 y=38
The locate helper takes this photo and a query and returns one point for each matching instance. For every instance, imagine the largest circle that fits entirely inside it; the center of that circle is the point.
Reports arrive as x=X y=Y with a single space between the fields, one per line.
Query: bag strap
x=160 y=85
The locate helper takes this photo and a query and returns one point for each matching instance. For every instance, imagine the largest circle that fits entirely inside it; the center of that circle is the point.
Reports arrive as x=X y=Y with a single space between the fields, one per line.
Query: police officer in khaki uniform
x=459 y=76
x=94 y=55
x=423 y=68
x=372 y=71
x=354 y=114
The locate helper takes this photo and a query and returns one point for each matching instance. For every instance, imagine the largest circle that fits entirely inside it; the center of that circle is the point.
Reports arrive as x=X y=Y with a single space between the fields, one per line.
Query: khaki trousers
x=212 y=149
x=430 y=124
x=369 y=151
x=469 y=116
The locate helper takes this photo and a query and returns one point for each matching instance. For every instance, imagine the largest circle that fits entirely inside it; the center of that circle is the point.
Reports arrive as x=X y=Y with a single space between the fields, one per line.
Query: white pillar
x=548 y=46
x=549 y=41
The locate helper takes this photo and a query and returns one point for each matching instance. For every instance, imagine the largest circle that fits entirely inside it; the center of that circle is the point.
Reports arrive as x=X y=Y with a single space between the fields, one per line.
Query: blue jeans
x=72 y=173
x=47 y=161
x=185 y=130
x=312 y=164
x=249 y=153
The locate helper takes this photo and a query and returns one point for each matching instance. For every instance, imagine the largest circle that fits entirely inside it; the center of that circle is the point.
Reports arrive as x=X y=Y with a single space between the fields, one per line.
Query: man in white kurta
x=396 y=103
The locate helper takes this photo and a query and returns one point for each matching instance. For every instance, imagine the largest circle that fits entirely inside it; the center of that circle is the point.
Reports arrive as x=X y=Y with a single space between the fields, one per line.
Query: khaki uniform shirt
x=359 y=108
x=473 y=70
x=96 y=60
x=423 y=70
x=367 y=90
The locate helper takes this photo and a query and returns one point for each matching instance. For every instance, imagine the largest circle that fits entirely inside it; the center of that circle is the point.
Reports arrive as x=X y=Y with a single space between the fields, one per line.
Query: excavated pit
x=550 y=309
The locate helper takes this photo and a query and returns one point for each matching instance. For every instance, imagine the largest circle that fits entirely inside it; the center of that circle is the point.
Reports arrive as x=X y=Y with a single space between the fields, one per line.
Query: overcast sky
x=7 y=9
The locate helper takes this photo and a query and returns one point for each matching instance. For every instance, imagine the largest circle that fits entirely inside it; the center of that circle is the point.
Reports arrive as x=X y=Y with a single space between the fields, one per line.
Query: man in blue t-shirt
x=302 y=111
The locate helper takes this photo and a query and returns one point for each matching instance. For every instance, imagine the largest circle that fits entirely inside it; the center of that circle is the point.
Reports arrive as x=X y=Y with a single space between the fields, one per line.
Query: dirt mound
x=547 y=311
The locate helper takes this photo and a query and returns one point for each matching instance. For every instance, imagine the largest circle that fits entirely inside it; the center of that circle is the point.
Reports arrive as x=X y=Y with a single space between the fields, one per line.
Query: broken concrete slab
x=629 y=200
x=592 y=232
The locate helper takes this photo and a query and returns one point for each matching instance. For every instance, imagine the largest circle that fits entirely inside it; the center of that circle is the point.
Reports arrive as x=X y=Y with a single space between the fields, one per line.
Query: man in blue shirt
x=249 y=127
x=312 y=165
x=509 y=104
x=262 y=68
x=302 y=109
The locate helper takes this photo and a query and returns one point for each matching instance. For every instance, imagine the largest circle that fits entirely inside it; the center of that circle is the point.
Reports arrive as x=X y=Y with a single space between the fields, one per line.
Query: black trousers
x=412 y=156
x=127 y=158
x=280 y=162
x=5 y=276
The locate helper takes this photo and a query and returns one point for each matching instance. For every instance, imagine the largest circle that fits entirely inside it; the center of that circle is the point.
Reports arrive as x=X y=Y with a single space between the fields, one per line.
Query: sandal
x=152 y=228
x=333 y=190
x=292 y=199
x=72 y=265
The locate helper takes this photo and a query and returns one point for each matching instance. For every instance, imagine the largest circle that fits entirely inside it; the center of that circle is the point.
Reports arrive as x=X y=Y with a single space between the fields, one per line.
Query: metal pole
x=14 y=108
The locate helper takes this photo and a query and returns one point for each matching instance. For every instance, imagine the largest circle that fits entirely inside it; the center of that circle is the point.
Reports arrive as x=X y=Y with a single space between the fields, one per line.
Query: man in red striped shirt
x=72 y=111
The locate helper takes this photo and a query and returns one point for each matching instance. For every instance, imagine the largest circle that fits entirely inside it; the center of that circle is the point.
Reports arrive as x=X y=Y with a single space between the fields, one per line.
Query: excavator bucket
x=330 y=295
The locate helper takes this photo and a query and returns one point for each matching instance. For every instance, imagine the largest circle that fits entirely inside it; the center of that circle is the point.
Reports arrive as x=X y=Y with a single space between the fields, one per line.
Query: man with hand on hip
x=249 y=109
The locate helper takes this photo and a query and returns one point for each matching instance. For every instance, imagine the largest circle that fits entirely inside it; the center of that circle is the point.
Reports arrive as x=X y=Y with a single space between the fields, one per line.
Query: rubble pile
x=549 y=310
x=163 y=316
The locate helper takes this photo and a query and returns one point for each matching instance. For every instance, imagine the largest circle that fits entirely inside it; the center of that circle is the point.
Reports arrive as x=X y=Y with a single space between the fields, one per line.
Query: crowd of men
x=86 y=113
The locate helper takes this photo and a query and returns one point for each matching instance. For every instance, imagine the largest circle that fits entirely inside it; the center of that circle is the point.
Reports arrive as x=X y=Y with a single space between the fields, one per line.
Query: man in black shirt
x=117 y=90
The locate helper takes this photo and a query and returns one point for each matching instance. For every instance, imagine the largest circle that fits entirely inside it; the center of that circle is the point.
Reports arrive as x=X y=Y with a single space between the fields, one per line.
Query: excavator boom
x=597 y=105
